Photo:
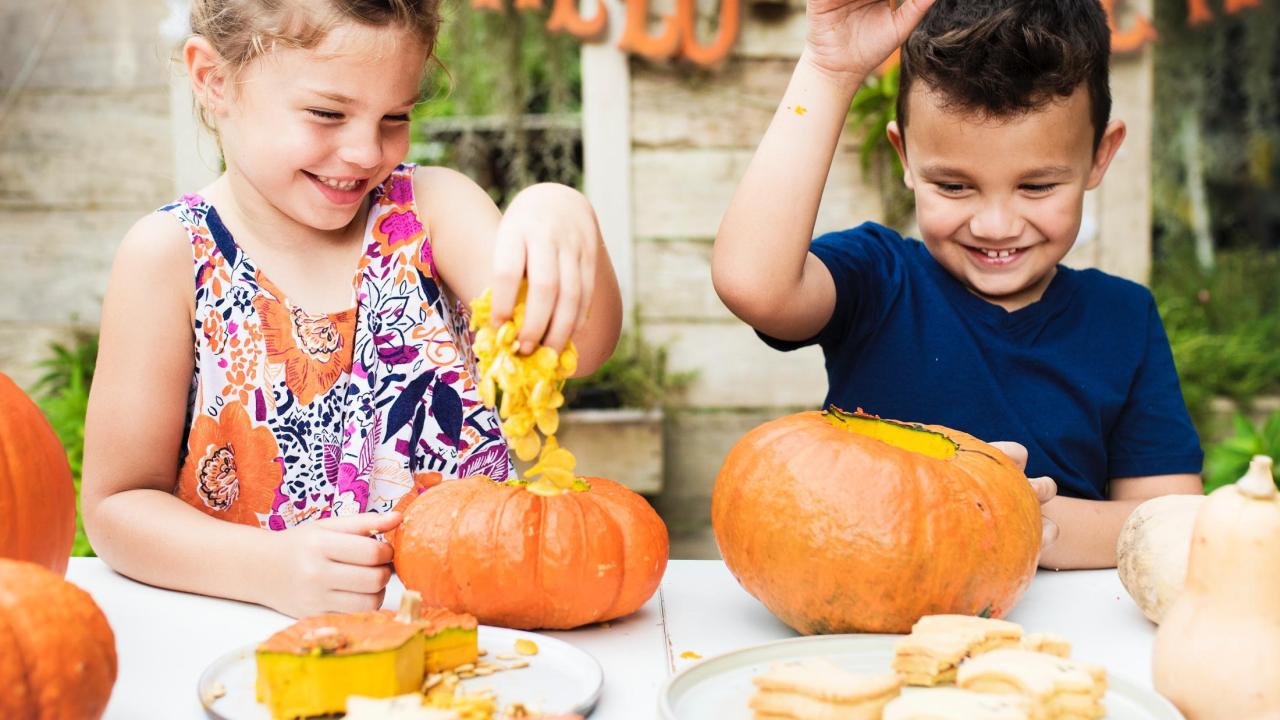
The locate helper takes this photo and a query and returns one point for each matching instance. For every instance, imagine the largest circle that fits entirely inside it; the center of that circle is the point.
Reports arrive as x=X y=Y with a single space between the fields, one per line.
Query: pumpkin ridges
x=640 y=575
x=15 y=700
x=37 y=494
x=68 y=646
x=898 y=539
x=505 y=575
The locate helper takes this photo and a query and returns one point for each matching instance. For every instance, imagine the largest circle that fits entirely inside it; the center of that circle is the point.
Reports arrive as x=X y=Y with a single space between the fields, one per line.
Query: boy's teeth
x=999 y=253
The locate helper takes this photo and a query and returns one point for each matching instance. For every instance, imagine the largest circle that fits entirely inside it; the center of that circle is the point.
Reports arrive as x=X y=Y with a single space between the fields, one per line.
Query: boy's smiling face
x=999 y=200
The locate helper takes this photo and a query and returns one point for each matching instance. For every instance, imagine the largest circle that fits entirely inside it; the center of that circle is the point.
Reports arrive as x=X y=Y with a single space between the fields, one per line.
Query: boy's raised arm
x=761 y=264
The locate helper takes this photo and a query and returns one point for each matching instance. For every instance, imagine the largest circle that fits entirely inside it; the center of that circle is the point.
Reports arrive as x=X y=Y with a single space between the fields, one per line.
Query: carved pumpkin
x=520 y=559
x=843 y=522
x=57 y=651
x=37 y=496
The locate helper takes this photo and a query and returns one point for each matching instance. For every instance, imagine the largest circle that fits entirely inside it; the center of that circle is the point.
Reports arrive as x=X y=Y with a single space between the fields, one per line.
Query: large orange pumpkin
x=518 y=559
x=843 y=522
x=57 y=651
x=37 y=496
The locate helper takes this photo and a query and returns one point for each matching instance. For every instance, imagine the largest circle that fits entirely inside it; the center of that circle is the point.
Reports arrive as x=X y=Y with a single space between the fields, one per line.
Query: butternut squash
x=1217 y=653
x=1151 y=554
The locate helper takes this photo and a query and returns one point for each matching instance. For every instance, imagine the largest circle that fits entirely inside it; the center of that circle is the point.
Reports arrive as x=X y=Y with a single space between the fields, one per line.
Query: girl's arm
x=133 y=433
x=550 y=236
x=1088 y=529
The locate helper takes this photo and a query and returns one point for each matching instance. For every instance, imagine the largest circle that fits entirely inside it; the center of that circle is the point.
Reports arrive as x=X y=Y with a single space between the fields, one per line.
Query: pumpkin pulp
x=912 y=438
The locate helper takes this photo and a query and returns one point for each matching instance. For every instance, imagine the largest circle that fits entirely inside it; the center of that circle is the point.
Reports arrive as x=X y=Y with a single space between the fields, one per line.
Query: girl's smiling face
x=999 y=200
x=312 y=131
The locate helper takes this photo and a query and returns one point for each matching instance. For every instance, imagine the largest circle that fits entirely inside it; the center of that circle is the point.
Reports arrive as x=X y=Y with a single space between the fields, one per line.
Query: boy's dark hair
x=1000 y=58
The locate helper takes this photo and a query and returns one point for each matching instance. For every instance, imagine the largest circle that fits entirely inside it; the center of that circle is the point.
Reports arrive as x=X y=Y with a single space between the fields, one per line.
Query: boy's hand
x=334 y=564
x=1046 y=489
x=853 y=37
x=549 y=234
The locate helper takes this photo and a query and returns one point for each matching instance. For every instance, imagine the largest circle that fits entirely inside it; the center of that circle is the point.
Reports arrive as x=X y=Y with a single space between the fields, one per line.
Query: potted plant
x=614 y=417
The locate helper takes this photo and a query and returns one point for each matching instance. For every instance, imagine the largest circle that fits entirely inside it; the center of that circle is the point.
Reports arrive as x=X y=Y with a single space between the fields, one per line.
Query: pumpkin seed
x=526 y=647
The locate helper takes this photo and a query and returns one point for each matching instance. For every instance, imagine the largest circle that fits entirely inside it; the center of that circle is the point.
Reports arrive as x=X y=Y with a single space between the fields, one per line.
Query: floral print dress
x=295 y=416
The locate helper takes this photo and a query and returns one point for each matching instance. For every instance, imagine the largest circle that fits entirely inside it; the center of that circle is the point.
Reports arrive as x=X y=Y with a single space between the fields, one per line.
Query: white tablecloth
x=165 y=639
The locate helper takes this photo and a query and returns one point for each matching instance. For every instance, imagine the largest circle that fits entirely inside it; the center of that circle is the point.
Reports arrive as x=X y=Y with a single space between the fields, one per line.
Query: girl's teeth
x=337 y=185
x=994 y=254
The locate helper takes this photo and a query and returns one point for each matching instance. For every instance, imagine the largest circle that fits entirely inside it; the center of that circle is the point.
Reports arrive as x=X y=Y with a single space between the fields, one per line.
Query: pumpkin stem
x=1258 y=482
x=410 y=606
x=912 y=438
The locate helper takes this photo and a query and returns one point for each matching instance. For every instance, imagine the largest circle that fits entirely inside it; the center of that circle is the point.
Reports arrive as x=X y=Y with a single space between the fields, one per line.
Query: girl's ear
x=1112 y=136
x=900 y=146
x=208 y=81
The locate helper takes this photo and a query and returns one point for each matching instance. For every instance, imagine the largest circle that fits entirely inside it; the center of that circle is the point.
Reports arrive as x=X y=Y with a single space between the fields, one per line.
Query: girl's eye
x=1039 y=189
x=325 y=114
x=399 y=118
x=950 y=188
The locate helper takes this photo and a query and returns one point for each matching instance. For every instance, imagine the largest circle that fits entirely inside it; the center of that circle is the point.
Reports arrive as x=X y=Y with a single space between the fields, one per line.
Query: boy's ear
x=1112 y=137
x=900 y=146
x=204 y=67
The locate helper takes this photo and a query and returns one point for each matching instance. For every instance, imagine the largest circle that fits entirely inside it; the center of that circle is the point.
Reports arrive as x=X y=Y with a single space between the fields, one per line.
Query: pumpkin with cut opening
x=844 y=522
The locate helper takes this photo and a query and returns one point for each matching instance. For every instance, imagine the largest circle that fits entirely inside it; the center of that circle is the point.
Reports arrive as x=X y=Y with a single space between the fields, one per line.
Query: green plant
x=636 y=375
x=1227 y=461
x=1223 y=325
x=874 y=106
x=62 y=392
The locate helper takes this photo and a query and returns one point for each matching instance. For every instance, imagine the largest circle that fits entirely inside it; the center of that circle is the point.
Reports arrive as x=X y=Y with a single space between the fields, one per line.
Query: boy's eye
x=403 y=117
x=950 y=188
x=1040 y=189
x=325 y=114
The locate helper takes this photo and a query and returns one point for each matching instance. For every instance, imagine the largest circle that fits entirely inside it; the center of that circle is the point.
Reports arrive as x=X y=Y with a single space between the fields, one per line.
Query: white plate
x=559 y=679
x=719 y=687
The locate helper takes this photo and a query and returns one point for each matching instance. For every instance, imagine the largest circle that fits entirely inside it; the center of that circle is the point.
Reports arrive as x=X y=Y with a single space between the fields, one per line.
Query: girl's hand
x=549 y=234
x=854 y=37
x=1046 y=489
x=332 y=565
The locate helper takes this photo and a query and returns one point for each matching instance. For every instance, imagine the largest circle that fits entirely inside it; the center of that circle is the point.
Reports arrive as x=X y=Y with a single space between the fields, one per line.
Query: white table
x=165 y=639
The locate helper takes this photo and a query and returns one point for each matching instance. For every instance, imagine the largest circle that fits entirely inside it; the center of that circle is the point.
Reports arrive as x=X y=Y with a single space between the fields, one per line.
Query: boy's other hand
x=1045 y=488
x=854 y=37
x=332 y=565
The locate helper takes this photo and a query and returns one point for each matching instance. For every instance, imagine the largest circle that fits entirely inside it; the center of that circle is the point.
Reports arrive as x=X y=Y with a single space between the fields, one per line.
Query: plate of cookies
x=949 y=666
x=383 y=663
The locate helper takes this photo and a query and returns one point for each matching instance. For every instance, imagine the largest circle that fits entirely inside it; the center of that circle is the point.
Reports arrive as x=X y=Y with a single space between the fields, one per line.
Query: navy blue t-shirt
x=1083 y=377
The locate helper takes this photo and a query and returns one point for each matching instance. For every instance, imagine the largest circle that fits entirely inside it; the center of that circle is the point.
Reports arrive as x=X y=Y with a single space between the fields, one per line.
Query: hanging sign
x=678 y=39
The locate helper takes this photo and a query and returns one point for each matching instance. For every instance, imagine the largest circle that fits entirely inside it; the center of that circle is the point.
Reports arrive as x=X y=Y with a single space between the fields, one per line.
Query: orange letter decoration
x=636 y=38
x=565 y=18
x=707 y=55
x=1134 y=38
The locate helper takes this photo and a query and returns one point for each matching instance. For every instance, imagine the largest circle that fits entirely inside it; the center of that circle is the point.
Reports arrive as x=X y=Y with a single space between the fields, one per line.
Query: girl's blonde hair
x=243 y=30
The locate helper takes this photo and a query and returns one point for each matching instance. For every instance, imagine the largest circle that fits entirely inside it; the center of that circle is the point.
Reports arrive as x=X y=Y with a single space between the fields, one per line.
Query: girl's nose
x=361 y=147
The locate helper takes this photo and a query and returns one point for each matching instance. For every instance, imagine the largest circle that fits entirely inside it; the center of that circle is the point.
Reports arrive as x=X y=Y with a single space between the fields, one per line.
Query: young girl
x=287 y=349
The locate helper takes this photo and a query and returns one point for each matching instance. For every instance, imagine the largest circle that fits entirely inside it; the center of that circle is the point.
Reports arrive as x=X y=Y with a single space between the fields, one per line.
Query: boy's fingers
x=1046 y=489
x=1016 y=452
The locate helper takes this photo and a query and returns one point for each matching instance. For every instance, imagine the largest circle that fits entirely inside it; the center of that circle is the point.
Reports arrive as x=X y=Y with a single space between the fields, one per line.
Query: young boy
x=1003 y=124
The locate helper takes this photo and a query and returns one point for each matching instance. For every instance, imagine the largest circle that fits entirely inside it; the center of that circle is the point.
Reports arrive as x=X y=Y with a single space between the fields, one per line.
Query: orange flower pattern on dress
x=232 y=468
x=314 y=350
x=298 y=415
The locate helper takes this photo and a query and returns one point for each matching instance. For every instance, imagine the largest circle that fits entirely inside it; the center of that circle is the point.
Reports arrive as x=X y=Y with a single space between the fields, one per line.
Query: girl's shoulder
x=157 y=241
